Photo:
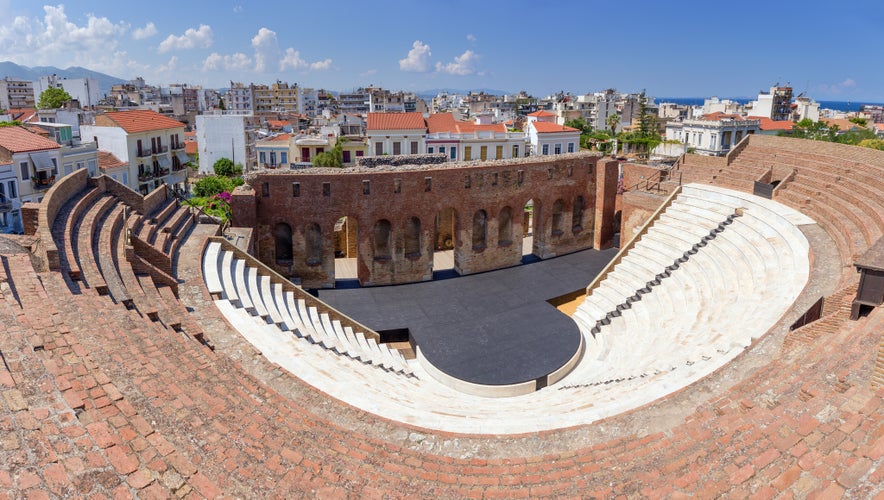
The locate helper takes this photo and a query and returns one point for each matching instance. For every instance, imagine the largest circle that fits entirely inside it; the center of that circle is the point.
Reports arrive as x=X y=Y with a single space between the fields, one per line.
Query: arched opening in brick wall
x=577 y=215
x=480 y=229
x=444 y=239
x=505 y=227
x=382 y=240
x=413 y=237
x=282 y=235
x=346 y=240
x=532 y=226
x=558 y=218
x=313 y=244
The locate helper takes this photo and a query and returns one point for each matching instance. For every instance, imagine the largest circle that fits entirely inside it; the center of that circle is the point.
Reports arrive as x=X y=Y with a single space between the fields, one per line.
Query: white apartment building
x=221 y=134
x=151 y=144
x=460 y=140
x=238 y=98
x=396 y=133
x=16 y=94
x=713 y=134
x=10 y=204
x=83 y=90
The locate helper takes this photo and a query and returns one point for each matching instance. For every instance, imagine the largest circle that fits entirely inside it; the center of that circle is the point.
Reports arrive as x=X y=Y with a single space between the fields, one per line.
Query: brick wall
x=366 y=196
x=637 y=206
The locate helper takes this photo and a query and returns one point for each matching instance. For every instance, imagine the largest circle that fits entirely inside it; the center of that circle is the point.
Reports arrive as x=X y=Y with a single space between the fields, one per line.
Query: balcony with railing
x=5 y=203
x=41 y=183
x=144 y=153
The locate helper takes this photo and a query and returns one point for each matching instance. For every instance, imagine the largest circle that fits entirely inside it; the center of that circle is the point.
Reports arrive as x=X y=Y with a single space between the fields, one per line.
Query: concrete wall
x=396 y=194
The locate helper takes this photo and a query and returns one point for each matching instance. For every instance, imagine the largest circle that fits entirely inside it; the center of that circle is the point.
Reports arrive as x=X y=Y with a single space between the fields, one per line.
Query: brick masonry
x=396 y=195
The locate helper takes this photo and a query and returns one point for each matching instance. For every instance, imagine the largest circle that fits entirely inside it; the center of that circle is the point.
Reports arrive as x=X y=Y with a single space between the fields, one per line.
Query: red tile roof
x=279 y=138
x=191 y=147
x=445 y=122
x=278 y=123
x=767 y=124
x=541 y=113
x=718 y=115
x=19 y=140
x=842 y=123
x=191 y=134
x=107 y=160
x=142 y=120
x=550 y=127
x=395 y=121
x=22 y=114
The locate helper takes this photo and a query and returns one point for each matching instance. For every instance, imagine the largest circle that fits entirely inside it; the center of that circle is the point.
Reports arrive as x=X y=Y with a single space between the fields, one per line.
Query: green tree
x=817 y=131
x=858 y=120
x=613 y=121
x=333 y=158
x=872 y=143
x=213 y=184
x=224 y=167
x=13 y=123
x=53 y=98
x=221 y=105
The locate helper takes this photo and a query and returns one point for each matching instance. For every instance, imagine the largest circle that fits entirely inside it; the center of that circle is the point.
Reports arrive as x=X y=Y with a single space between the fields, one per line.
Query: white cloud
x=850 y=82
x=370 y=72
x=237 y=9
x=837 y=88
x=266 y=48
x=418 y=59
x=234 y=62
x=147 y=31
x=321 y=65
x=55 y=40
x=471 y=37
x=170 y=66
x=292 y=59
x=191 y=39
x=464 y=64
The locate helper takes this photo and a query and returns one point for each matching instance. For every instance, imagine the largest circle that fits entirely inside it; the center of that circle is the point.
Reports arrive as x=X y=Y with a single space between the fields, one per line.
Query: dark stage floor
x=490 y=328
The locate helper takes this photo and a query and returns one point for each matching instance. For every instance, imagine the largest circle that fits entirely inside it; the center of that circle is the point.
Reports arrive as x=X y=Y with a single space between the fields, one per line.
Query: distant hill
x=12 y=70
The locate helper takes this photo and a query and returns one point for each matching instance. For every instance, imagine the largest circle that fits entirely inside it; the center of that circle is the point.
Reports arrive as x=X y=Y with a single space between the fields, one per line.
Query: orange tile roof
x=550 y=127
x=395 y=121
x=142 y=120
x=842 y=123
x=22 y=114
x=190 y=134
x=541 y=113
x=718 y=115
x=19 y=140
x=279 y=138
x=768 y=124
x=445 y=122
x=191 y=147
x=278 y=123
x=107 y=160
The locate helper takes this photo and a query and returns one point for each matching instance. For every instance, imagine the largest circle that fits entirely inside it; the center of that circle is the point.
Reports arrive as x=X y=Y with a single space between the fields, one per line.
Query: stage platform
x=491 y=328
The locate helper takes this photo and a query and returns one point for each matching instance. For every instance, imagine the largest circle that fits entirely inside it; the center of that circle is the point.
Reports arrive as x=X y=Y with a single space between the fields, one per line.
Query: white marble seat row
x=753 y=269
x=681 y=331
x=243 y=286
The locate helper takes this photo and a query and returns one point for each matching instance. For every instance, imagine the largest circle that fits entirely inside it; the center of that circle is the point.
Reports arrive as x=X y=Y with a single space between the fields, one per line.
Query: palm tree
x=613 y=121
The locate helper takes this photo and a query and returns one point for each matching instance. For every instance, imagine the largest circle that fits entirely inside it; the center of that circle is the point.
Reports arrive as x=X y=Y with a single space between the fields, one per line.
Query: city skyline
x=695 y=50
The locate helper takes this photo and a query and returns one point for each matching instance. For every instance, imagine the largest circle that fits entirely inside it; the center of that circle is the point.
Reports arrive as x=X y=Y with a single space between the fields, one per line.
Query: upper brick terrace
x=100 y=400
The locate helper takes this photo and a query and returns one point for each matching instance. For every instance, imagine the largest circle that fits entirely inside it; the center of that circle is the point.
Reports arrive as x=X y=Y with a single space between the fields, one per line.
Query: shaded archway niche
x=282 y=235
x=382 y=247
x=480 y=230
x=313 y=244
x=505 y=227
x=413 y=248
x=558 y=218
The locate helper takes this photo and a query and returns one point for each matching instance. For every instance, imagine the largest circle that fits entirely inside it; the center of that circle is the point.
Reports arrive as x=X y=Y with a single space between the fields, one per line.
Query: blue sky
x=831 y=50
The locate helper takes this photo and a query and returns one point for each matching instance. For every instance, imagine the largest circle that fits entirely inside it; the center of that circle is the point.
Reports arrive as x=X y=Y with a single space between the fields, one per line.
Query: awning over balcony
x=182 y=157
x=42 y=160
x=164 y=161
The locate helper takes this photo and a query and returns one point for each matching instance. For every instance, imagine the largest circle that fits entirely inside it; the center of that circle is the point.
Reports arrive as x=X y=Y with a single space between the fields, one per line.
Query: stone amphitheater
x=145 y=355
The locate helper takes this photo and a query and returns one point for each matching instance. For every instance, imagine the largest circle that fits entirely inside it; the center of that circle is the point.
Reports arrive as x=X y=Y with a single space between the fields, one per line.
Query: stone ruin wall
x=313 y=199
